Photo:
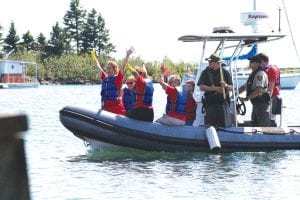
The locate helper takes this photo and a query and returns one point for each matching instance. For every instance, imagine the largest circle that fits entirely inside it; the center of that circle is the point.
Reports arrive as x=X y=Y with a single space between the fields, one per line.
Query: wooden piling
x=13 y=170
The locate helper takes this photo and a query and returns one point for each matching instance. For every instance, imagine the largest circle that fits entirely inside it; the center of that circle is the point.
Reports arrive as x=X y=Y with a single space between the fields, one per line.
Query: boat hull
x=102 y=129
x=18 y=85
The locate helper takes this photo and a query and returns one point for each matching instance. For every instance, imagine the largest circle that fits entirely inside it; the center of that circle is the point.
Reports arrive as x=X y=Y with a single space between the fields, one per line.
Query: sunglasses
x=129 y=83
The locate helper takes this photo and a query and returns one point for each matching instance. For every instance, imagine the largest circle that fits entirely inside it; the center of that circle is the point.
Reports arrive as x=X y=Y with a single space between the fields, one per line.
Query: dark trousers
x=276 y=105
x=142 y=114
x=214 y=115
x=261 y=114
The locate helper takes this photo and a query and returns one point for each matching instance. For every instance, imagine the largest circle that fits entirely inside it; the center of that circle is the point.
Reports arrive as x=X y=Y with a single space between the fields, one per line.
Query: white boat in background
x=18 y=74
x=288 y=80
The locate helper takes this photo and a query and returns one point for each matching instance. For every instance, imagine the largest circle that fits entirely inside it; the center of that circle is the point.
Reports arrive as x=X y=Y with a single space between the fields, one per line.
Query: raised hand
x=131 y=69
x=130 y=51
x=164 y=70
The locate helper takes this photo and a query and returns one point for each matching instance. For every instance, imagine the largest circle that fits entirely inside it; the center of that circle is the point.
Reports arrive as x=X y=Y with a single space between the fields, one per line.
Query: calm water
x=60 y=167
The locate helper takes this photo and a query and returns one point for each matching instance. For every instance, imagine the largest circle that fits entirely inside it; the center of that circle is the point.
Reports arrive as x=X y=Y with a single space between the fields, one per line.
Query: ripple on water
x=60 y=167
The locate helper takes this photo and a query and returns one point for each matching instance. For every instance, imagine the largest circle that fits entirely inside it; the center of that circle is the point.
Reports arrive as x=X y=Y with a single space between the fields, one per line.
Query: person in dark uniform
x=216 y=91
x=257 y=93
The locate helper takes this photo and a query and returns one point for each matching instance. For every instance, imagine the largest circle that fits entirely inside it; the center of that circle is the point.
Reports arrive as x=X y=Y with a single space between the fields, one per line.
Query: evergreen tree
x=90 y=32
x=95 y=35
x=28 y=41
x=41 y=42
x=1 y=39
x=74 y=20
x=58 y=43
x=1 y=42
x=102 y=41
x=12 y=39
x=41 y=45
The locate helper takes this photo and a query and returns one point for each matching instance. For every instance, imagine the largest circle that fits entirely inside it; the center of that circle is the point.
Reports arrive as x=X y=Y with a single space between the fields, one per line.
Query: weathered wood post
x=13 y=170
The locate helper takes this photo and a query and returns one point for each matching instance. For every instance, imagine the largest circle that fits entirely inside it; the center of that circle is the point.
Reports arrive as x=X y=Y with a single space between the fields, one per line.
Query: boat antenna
x=279 y=18
x=290 y=29
x=254 y=5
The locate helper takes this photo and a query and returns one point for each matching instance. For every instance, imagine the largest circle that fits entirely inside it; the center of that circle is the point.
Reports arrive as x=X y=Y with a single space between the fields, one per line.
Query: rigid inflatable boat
x=105 y=130
x=102 y=129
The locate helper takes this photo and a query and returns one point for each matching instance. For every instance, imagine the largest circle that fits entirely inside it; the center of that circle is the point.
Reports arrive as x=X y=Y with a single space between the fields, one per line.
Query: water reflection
x=60 y=168
x=212 y=176
x=208 y=168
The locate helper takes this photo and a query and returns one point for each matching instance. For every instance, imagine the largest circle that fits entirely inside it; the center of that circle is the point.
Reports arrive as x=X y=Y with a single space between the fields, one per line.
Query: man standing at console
x=216 y=87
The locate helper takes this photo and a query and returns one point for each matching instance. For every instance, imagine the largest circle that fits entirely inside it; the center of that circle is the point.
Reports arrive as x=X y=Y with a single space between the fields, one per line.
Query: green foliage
x=95 y=35
x=59 y=62
x=153 y=68
x=58 y=44
x=79 y=69
x=12 y=39
x=41 y=42
x=1 y=39
x=70 y=69
x=28 y=41
x=90 y=32
x=1 y=42
x=86 y=32
x=74 y=20
x=29 y=56
x=102 y=41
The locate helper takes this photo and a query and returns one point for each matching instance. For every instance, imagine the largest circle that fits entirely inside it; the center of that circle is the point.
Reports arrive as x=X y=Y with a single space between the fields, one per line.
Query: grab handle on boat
x=212 y=138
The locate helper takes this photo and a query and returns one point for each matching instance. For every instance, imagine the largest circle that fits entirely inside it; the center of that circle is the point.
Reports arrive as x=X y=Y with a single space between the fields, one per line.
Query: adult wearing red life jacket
x=142 y=110
x=273 y=74
x=180 y=108
x=112 y=80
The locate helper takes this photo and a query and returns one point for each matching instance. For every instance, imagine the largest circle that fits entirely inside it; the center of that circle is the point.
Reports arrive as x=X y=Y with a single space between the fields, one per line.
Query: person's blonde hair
x=174 y=77
x=141 y=71
x=130 y=78
x=114 y=65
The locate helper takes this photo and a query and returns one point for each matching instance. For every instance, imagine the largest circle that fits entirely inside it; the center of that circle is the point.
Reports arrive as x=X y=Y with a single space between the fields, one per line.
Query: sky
x=153 y=27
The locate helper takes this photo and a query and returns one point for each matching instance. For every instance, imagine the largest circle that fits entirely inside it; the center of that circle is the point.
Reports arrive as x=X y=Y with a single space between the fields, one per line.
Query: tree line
x=64 y=57
x=81 y=32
